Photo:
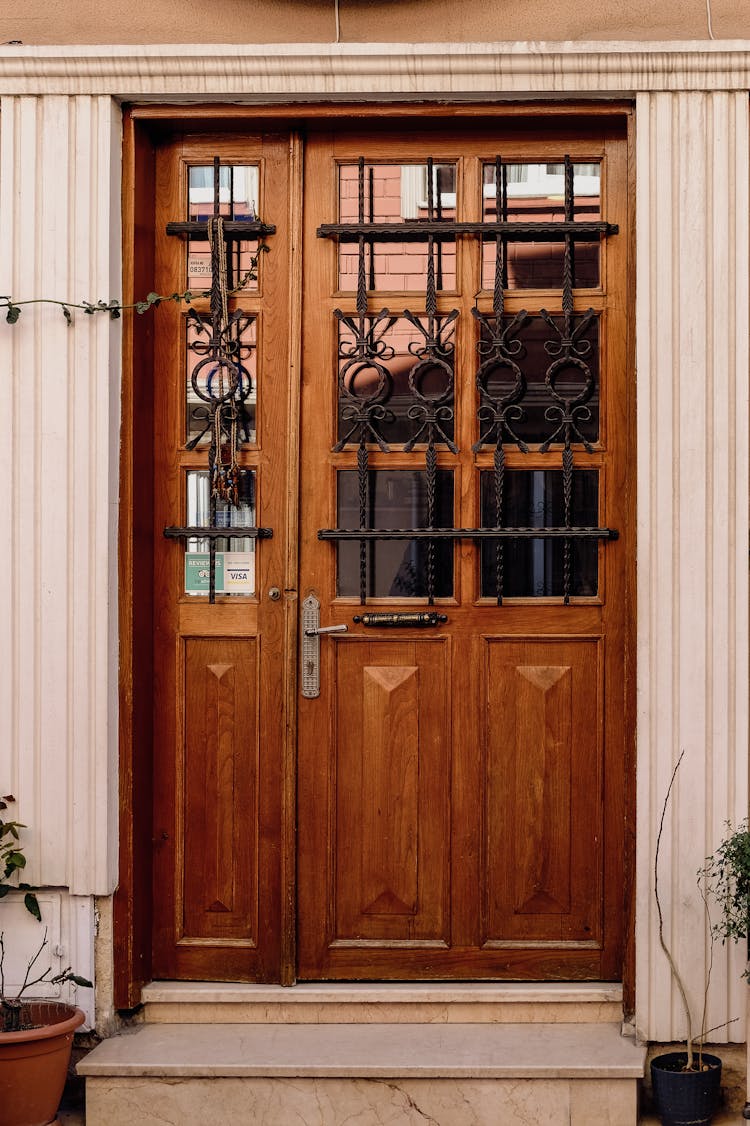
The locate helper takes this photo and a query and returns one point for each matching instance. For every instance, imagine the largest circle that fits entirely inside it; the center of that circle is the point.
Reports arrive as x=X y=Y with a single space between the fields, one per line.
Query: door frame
x=144 y=128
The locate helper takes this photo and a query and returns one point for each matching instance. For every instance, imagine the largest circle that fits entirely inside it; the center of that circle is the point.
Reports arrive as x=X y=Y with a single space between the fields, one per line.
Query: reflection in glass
x=397 y=193
x=533 y=568
x=199 y=515
x=536 y=194
x=238 y=197
x=396 y=498
x=570 y=382
x=386 y=382
x=243 y=333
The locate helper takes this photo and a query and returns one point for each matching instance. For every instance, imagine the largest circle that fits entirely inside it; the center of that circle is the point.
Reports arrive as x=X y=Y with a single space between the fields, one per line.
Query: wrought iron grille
x=220 y=379
x=364 y=350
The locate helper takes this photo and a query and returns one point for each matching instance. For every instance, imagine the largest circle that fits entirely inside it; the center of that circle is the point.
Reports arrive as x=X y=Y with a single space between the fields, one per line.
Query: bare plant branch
x=662 y=940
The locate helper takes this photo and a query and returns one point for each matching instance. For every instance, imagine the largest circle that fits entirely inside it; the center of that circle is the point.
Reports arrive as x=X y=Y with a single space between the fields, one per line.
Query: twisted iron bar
x=499 y=347
x=432 y=412
x=568 y=412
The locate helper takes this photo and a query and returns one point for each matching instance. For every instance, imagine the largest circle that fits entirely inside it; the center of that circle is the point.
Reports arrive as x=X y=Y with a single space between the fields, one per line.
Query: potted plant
x=36 y=1036
x=726 y=879
x=686 y=1085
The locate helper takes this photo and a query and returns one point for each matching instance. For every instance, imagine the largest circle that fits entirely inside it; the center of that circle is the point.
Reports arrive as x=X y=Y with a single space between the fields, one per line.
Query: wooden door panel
x=220 y=729
x=219 y=775
x=543 y=790
x=515 y=748
x=390 y=794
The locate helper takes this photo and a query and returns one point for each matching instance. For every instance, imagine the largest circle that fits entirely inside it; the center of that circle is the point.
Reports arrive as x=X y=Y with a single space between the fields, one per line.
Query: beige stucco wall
x=314 y=21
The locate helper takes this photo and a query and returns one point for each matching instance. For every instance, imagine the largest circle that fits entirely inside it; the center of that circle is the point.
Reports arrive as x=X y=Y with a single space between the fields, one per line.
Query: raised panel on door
x=543 y=794
x=217 y=796
x=390 y=860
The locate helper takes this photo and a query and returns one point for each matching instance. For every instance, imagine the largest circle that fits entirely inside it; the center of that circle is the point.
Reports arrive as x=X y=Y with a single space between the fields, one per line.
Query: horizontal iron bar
x=218 y=533
x=515 y=232
x=466 y=533
x=414 y=619
x=233 y=228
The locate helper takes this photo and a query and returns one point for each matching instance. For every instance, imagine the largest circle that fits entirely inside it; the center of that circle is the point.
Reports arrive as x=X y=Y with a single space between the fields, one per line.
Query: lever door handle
x=311 y=631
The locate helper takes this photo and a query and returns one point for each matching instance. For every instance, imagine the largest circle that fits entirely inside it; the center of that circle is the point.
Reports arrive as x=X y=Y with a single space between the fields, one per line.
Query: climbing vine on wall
x=115 y=308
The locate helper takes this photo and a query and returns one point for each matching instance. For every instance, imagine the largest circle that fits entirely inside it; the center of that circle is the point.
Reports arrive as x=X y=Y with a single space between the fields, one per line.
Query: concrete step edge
x=379 y=1050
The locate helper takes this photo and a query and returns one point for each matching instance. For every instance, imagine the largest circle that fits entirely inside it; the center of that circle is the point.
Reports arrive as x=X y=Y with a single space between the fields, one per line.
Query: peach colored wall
x=278 y=21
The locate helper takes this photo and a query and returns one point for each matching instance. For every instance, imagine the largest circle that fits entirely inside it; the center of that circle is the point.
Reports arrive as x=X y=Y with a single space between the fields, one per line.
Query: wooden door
x=462 y=786
x=220 y=675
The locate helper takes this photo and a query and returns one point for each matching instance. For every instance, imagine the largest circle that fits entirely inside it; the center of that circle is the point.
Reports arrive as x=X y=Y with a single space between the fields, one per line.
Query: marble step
x=423 y=1003
x=331 y=1074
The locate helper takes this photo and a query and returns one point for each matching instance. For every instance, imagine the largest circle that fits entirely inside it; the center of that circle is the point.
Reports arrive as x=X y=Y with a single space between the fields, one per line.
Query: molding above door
x=293 y=72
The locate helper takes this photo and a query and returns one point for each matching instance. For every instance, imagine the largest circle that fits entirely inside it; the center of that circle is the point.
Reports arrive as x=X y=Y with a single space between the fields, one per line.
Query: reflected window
x=535 y=193
x=534 y=568
x=238 y=200
x=396 y=498
x=397 y=193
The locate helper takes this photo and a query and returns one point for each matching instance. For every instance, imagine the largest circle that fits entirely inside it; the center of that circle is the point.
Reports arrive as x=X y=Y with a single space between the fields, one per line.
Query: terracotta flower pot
x=34 y=1063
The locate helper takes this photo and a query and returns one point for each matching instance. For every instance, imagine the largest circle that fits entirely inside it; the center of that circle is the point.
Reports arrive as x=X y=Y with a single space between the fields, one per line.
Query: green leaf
x=68 y=315
x=32 y=905
x=153 y=298
x=12 y=314
x=4 y=889
x=141 y=306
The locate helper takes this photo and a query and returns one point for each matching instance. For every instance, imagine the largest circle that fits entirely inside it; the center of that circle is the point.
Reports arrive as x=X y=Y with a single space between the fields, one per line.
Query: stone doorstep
x=515 y=1002
x=438 y=1051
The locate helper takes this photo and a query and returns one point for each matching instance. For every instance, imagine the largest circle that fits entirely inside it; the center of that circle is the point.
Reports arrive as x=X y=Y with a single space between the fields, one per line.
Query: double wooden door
x=439 y=789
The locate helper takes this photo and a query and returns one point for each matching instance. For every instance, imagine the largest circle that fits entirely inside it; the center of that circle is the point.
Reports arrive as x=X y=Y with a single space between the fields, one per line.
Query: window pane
x=235 y=555
x=386 y=381
x=203 y=378
x=577 y=385
x=238 y=198
x=536 y=194
x=397 y=193
x=396 y=498
x=534 y=568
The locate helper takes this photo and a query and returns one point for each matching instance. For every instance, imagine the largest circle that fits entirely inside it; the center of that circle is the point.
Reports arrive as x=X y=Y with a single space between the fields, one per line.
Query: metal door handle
x=311 y=631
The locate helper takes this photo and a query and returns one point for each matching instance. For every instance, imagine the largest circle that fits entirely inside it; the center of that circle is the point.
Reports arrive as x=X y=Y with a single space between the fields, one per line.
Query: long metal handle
x=311 y=631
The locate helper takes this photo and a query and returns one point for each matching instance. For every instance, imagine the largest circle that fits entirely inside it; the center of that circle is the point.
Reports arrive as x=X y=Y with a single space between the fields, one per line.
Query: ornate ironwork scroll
x=220 y=379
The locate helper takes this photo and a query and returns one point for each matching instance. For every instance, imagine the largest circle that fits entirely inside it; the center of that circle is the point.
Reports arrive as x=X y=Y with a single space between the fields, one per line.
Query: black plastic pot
x=685 y=1098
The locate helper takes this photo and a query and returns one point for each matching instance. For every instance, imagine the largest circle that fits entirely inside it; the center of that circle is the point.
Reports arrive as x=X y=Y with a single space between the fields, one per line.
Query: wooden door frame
x=144 y=127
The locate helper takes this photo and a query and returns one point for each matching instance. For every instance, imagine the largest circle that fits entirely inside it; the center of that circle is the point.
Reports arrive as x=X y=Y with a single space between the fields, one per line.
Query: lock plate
x=310 y=648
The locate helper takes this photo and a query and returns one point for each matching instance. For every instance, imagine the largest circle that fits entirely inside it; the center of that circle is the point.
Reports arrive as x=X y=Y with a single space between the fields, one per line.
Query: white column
x=692 y=375
x=59 y=406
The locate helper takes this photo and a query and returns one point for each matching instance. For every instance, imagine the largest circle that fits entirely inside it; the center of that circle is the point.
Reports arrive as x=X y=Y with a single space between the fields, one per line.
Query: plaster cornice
x=358 y=71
